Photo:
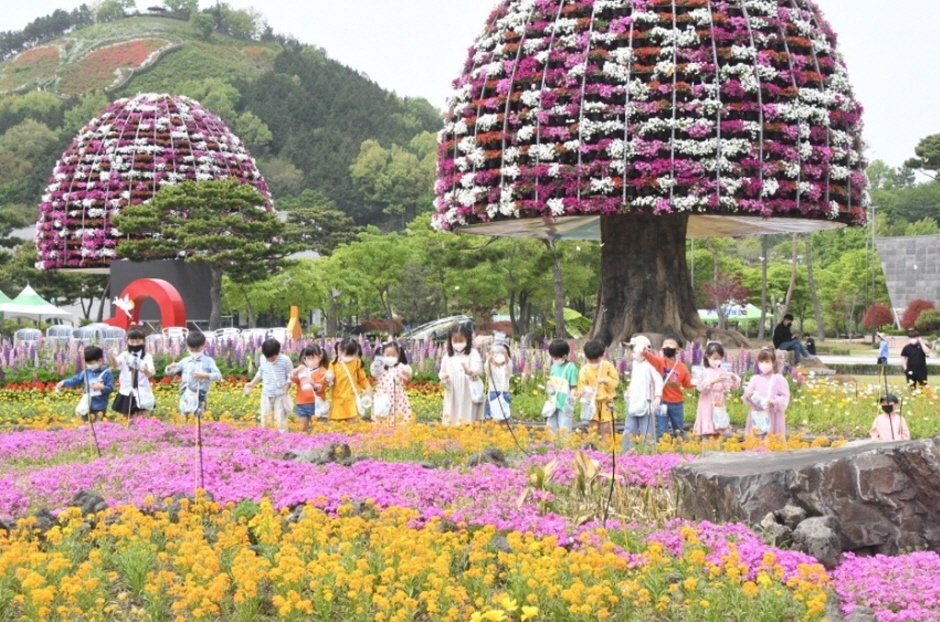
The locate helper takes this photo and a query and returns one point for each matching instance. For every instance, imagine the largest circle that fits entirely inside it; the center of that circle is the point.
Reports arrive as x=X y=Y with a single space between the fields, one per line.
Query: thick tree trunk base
x=645 y=283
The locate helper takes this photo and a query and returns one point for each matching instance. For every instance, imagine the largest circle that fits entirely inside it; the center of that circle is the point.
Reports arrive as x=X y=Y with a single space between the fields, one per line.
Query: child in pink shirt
x=889 y=426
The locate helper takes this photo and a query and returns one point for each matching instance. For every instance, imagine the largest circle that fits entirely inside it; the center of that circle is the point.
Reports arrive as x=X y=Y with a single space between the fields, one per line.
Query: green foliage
x=314 y=223
x=188 y=7
x=203 y=25
x=219 y=223
x=928 y=155
x=928 y=320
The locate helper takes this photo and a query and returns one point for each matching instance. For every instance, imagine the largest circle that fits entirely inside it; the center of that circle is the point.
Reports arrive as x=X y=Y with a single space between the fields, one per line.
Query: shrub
x=928 y=320
x=913 y=311
x=876 y=316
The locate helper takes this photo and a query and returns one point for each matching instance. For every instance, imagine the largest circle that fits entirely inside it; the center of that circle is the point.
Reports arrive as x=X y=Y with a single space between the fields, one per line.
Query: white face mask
x=499 y=359
x=460 y=346
x=312 y=363
x=558 y=361
x=765 y=368
x=346 y=358
x=196 y=355
x=93 y=366
x=391 y=361
x=914 y=342
x=714 y=363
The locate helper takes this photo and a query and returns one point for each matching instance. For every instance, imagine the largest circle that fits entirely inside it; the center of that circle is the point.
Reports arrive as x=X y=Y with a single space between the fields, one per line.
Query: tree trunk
x=251 y=313
x=811 y=282
x=105 y=295
x=645 y=284
x=792 y=287
x=764 y=250
x=558 y=287
x=513 y=318
x=215 y=295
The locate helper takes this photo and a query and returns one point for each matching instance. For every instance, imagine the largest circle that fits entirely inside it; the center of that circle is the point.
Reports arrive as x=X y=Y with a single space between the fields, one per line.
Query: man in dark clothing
x=783 y=340
x=914 y=360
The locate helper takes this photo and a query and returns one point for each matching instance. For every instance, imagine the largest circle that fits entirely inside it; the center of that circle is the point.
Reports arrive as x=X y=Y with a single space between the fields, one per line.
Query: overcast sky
x=417 y=47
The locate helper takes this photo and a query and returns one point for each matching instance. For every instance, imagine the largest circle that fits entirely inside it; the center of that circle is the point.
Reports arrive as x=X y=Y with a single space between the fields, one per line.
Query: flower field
x=32 y=65
x=418 y=523
x=105 y=66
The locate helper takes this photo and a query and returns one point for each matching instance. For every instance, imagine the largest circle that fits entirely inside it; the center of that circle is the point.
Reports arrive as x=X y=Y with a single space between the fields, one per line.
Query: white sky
x=417 y=47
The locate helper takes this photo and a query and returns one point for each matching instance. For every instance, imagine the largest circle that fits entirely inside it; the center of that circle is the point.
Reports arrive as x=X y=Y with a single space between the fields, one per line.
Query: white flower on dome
x=544 y=152
x=702 y=17
x=511 y=171
x=525 y=132
x=487 y=121
x=833 y=209
x=604 y=184
x=468 y=180
x=510 y=154
x=743 y=52
x=556 y=206
x=467 y=144
x=666 y=182
x=460 y=128
x=770 y=187
x=531 y=97
x=554 y=169
x=532 y=45
x=507 y=205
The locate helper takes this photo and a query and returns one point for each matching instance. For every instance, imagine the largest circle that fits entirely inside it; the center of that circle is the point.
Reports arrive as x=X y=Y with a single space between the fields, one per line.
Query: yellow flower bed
x=251 y=563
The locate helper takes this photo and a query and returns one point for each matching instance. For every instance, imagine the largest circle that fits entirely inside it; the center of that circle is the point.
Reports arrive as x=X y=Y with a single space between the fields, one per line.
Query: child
x=461 y=366
x=391 y=371
x=561 y=387
x=198 y=370
x=643 y=395
x=882 y=350
x=350 y=382
x=889 y=426
x=135 y=396
x=498 y=371
x=713 y=384
x=597 y=383
x=274 y=372
x=767 y=392
x=671 y=415
x=810 y=344
x=96 y=380
x=311 y=380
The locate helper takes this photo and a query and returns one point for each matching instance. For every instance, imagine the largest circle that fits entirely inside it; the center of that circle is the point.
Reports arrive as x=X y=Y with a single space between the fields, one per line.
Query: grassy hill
x=303 y=115
x=142 y=53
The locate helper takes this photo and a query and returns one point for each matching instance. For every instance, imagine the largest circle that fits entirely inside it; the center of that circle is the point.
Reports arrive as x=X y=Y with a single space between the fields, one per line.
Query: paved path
x=893 y=361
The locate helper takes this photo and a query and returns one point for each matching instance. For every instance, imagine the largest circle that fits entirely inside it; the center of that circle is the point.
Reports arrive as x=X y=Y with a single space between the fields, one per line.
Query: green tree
x=376 y=262
x=187 y=7
x=203 y=24
x=928 y=156
x=284 y=179
x=83 y=110
x=222 y=224
x=314 y=223
x=298 y=283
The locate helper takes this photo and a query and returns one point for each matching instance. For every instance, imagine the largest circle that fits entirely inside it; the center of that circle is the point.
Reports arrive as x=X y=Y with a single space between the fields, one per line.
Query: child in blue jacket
x=96 y=380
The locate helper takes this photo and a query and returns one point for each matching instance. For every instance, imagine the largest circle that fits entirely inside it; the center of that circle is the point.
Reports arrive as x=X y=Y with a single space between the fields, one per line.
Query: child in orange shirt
x=311 y=379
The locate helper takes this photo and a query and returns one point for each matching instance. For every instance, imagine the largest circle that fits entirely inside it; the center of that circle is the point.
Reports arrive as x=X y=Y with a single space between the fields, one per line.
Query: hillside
x=303 y=116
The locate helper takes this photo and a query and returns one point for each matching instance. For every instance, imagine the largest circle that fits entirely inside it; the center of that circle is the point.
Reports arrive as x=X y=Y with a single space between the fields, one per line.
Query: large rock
x=884 y=495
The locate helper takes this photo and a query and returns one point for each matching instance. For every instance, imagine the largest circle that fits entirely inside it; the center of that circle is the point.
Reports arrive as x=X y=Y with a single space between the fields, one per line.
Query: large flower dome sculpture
x=730 y=116
x=123 y=157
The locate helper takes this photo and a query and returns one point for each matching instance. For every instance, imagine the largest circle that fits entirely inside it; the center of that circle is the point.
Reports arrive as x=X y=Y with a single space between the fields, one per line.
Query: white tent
x=31 y=304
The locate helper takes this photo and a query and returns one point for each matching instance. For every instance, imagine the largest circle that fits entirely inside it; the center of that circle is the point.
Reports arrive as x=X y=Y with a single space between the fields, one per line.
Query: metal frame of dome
x=123 y=157
x=573 y=109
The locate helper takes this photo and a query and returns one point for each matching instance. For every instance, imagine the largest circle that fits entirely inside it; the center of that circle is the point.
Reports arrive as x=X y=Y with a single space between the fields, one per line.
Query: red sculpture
x=168 y=299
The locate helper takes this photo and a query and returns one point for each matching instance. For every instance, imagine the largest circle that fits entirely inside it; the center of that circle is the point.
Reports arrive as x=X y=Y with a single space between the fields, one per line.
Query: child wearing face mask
x=459 y=367
x=349 y=381
x=713 y=385
x=597 y=382
x=135 y=396
x=561 y=387
x=643 y=396
x=198 y=370
x=95 y=379
x=311 y=380
x=889 y=425
x=391 y=370
x=767 y=391
x=671 y=415
x=498 y=371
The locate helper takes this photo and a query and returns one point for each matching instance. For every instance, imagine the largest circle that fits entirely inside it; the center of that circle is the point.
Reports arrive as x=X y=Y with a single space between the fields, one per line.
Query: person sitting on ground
x=888 y=425
x=784 y=340
x=810 y=344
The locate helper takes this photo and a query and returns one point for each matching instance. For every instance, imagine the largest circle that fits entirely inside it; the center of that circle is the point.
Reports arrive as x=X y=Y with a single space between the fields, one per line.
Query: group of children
x=655 y=394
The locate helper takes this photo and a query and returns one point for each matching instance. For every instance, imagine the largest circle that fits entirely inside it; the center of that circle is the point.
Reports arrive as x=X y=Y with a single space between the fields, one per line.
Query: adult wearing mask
x=914 y=360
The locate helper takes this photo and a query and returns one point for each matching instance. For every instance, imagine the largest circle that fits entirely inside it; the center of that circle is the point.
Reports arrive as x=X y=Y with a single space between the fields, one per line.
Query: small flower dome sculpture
x=123 y=157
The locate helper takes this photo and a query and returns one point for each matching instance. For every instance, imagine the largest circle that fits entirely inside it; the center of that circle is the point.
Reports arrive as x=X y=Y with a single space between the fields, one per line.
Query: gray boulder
x=336 y=453
x=89 y=502
x=882 y=494
x=819 y=537
x=490 y=455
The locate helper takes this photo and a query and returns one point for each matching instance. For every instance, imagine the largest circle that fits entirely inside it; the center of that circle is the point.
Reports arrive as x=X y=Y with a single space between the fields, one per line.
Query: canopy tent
x=733 y=313
x=4 y=298
x=31 y=304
